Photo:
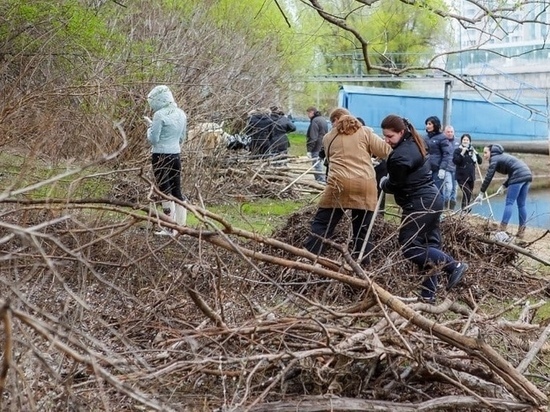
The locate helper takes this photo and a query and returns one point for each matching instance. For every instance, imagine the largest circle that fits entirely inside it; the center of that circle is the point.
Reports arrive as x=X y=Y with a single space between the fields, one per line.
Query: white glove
x=383 y=180
x=479 y=198
x=148 y=121
x=500 y=190
x=441 y=174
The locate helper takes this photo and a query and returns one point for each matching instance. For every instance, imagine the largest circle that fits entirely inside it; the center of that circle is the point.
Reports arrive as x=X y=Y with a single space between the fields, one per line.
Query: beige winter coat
x=351 y=180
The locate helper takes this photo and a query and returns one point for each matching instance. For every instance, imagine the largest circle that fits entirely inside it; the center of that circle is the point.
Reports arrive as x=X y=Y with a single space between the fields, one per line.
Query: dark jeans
x=167 y=171
x=325 y=221
x=420 y=239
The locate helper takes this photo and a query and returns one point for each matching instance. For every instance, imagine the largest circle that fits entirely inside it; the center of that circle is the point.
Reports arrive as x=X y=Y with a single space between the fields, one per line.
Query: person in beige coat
x=351 y=183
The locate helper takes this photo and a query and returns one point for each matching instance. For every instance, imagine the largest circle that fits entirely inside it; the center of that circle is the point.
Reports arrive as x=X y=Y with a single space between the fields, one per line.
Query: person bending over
x=410 y=181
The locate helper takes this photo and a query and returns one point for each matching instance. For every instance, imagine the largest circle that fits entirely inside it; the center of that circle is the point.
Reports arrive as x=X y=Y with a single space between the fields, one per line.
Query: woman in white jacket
x=166 y=132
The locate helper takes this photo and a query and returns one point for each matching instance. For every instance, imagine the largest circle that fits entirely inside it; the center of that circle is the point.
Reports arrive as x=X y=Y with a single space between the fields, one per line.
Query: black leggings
x=325 y=221
x=167 y=171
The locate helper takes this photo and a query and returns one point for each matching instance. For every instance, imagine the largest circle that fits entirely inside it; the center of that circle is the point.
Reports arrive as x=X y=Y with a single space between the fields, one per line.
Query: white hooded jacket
x=169 y=127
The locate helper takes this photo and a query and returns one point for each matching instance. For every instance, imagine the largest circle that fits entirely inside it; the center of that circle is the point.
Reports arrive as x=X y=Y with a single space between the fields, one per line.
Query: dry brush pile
x=98 y=313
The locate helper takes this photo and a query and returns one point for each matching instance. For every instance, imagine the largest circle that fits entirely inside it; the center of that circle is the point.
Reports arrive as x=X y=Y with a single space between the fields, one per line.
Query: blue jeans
x=319 y=168
x=454 y=186
x=516 y=193
x=443 y=185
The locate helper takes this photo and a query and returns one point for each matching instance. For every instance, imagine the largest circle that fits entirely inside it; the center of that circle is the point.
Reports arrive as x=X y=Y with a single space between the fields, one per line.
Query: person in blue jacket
x=165 y=133
x=410 y=181
x=441 y=157
x=516 y=185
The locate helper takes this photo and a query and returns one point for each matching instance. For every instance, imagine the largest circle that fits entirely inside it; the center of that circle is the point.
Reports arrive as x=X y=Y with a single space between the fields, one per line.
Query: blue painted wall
x=474 y=115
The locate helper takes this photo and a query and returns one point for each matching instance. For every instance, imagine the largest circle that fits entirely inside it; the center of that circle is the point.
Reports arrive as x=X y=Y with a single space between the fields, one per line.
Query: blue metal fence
x=498 y=120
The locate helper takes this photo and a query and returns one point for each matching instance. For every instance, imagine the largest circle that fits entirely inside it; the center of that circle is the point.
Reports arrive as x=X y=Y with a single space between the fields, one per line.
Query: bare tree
x=483 y=23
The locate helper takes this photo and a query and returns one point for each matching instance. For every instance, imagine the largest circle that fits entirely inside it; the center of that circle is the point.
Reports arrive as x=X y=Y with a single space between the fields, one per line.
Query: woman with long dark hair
x=410 y=181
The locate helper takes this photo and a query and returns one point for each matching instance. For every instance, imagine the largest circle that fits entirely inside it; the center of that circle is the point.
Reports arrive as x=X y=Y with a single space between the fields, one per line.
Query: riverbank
x=536 y=239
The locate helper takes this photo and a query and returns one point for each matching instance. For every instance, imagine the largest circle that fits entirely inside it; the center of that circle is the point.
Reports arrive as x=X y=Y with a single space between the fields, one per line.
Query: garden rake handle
x=299 y=177
x=492 y=216
x=369 y=230
x=473 y=204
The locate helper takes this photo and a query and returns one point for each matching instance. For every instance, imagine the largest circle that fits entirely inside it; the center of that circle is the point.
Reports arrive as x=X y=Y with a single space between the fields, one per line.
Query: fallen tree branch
x=515 y=248
x=330 y=403
x=522 y=367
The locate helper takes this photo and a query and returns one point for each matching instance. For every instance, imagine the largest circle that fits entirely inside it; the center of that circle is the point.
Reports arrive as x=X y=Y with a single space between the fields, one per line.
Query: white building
x=507 y=49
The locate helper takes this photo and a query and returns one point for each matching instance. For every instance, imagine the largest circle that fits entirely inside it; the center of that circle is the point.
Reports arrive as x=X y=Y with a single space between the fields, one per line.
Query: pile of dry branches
x=100 y=314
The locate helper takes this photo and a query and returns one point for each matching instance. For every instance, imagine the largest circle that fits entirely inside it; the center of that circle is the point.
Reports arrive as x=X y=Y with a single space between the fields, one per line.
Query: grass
x=263 y=216
x=19 y=173
x=297 y=144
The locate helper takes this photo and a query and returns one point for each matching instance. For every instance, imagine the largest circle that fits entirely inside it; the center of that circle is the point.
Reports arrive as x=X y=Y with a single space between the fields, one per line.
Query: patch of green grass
x=261 y=216
x=543 y=313
x=297 y=144
x=19 y=174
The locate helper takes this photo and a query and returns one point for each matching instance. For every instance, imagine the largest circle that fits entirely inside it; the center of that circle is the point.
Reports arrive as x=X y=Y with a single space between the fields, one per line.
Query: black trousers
x=467 y=188
x=167 y=171
x=420 y=239
x=325 y=221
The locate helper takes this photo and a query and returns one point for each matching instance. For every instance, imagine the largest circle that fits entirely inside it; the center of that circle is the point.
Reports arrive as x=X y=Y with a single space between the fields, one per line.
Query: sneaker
x=501 y=236
x=166 y=232
x=455 y=277
x=427 y=299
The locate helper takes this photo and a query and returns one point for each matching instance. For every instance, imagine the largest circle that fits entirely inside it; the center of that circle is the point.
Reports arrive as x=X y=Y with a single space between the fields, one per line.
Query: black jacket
x=260 y=130
x=317 y=129
x=281 y=126
x=410 y=175
x=516 y=169
x=466 y=164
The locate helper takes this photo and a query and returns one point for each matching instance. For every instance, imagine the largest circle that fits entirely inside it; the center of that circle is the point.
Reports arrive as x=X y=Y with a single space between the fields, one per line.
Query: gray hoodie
x=169 y=128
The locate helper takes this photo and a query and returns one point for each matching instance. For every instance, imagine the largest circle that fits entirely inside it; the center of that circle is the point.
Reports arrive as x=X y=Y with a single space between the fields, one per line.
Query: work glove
x=148 y=121
x=479 y=198
x=500 y=190
x=441 y=174
x=382 y=182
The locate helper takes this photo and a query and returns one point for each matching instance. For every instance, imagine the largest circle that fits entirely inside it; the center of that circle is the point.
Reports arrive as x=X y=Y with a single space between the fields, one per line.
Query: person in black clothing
x=317 y=129
x=465 y=158
x=410 y=181
x=281 y=126
x=260 y=130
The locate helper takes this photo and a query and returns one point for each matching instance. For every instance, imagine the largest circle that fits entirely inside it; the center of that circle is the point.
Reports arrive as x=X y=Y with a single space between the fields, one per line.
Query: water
x=538 y=209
